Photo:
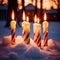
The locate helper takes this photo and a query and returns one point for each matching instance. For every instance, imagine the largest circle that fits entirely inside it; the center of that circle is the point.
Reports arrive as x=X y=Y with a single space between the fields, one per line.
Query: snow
x=21 y=51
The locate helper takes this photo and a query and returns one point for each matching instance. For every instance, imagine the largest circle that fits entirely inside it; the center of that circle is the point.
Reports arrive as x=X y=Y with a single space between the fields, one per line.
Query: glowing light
x=38 y=20
x=23 y=16
x=46 y=3
x=5 y=2
x=38 y=4
x=27 y=18
x=19 y=7
x=51 y=43
x=35 y=18
x=12 y=15
x=45 y=18
x=27 y=2
x=33 y=43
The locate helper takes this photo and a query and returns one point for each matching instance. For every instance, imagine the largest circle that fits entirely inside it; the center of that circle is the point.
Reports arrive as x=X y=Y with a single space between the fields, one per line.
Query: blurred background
x=51 y=7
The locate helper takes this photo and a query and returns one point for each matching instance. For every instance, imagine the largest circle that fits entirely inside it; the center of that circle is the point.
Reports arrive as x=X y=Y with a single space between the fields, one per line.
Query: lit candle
x=45 y=30
x=26 y=29
x=13 y=29
x=37 y=31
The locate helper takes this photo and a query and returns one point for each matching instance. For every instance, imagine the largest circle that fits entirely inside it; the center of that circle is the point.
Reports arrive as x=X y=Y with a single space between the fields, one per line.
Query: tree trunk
x=23 y=8
x=12 y=5
x=41 y=10
x=36 y=7
x=58 y=14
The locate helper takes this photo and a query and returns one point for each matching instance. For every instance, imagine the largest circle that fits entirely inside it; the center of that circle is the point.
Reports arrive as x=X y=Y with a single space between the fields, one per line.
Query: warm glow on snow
x=23 y=51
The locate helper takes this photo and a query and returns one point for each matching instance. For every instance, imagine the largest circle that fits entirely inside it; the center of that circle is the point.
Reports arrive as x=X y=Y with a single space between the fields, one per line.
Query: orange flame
x=45 y=18
x=23 y=16
x=12 y=15
x=38 y=20
x=27 y=18
x=35 y=18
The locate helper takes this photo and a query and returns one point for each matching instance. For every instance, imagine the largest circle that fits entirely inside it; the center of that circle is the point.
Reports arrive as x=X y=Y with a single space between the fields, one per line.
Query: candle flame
x=38 y=20
x=12 y=15
x=27 y=18
x=23 y=16
x=35 y=18
x=45 y=18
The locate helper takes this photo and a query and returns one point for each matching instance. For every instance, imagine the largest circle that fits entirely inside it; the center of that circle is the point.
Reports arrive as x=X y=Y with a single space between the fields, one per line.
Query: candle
x=13 y=29
x=45 y=30
x=26 y=29
x=37 y=31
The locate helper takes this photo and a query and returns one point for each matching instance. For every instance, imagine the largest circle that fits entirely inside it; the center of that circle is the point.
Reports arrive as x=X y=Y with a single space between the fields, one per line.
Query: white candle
x=37 y=31
x=26 y=30
x=13 y=29
x=45 y=30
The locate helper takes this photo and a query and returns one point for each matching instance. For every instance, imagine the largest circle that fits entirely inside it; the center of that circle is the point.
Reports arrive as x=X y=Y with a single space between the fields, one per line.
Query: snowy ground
x=21 y=51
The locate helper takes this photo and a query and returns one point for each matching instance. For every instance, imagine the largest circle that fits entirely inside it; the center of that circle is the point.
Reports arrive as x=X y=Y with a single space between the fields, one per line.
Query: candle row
x=26 y=30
